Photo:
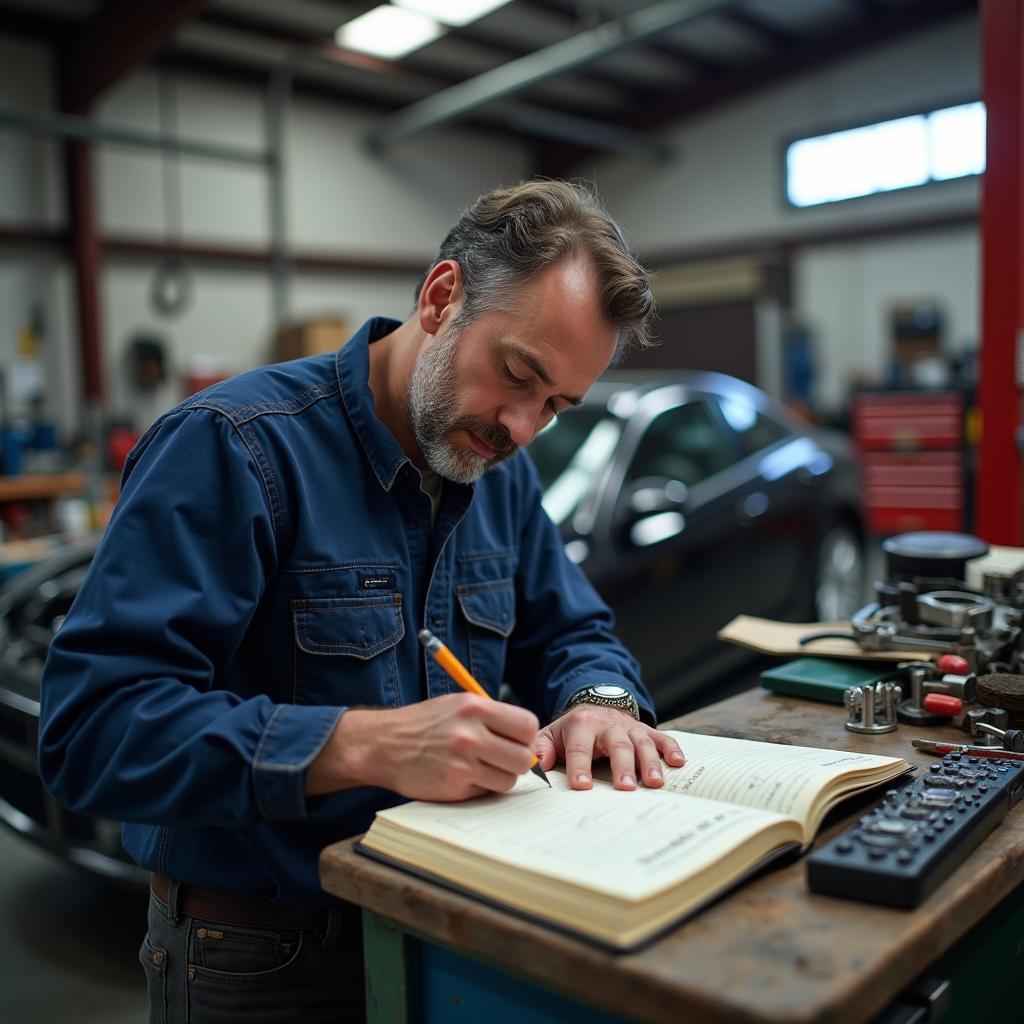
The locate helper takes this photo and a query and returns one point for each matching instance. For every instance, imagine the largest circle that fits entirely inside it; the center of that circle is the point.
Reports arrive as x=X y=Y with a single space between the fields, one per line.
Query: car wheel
x=839 y=575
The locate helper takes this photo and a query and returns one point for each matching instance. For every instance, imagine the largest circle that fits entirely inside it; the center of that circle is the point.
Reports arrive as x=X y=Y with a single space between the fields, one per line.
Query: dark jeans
x=204 y=972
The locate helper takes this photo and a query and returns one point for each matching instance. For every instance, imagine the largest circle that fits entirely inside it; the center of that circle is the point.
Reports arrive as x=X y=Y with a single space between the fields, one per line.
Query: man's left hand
x=588 y=731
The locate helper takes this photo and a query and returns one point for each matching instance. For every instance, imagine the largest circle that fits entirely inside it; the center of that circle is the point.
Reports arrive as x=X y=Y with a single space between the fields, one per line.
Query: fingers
x=634 y=750
x=546 y=749
x=514 y=723
x=669 y=749
x=648 y=758
x=579 y=757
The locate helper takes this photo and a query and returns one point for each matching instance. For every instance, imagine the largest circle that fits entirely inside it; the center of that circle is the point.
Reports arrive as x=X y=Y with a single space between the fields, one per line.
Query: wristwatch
x=605 y=696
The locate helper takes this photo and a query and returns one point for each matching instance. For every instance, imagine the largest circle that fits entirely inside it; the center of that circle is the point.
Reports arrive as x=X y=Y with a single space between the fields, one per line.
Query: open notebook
x=620 y=867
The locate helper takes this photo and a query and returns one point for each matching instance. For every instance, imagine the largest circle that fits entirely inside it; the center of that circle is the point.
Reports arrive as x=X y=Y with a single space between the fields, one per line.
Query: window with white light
x=889 y=155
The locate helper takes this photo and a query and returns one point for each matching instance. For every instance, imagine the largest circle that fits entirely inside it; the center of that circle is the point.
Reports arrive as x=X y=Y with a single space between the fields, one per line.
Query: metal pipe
x=278 y=94
x=85 y=129
x=517 y=75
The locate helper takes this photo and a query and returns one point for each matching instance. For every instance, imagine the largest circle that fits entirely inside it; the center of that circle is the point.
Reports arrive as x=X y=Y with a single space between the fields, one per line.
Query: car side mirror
x=651 y=510
x=652 y=494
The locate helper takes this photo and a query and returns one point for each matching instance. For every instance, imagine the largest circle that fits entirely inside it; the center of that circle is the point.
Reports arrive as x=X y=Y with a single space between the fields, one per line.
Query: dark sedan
x=691 y=499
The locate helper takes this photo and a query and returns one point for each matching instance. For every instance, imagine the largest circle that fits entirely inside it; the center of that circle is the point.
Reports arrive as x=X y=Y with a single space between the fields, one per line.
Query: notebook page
x=772 y=776
x=630 y=843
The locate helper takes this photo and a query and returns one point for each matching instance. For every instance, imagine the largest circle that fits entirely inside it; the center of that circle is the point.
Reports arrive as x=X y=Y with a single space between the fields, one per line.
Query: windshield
x=570 y=453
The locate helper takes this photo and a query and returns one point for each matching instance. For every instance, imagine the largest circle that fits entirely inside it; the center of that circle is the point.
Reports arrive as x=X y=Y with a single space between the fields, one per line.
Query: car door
x=672 y=566
x=778 y=505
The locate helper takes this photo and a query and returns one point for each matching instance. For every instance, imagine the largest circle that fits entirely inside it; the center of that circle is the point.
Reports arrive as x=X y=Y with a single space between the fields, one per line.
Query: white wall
x=725 y=184
x=846 y=293
x=340 y=198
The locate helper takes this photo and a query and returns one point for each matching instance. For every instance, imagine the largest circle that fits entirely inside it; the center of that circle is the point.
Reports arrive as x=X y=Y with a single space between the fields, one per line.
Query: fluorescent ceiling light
x=452 y=12
x=388 y=31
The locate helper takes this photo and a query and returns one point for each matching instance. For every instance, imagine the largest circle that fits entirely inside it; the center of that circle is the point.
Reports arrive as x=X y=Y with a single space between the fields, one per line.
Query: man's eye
x=509 y=375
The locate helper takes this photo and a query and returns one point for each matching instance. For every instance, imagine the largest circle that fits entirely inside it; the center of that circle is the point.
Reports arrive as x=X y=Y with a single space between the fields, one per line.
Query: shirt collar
x=352 y=364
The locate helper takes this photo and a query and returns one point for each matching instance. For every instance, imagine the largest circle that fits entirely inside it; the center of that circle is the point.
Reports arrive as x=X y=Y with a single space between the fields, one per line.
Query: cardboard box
x=311 y=338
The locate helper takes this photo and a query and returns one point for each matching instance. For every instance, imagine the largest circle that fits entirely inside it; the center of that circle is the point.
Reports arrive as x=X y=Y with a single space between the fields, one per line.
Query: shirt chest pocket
x=489 y=609
x=345 y=649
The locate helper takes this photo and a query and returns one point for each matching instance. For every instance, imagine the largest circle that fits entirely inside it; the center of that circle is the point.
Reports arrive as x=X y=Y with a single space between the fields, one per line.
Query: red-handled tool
x=952 y=663
x=943 y=704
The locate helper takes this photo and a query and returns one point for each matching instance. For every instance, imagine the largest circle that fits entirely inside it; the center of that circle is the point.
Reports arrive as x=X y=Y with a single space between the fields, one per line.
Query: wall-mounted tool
x=872 y=707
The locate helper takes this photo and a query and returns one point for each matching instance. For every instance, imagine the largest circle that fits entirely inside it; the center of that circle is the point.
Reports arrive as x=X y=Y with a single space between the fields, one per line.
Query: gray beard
x=433 y=404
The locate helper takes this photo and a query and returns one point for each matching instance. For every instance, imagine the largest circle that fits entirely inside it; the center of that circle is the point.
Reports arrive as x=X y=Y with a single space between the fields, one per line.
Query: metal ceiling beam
x=84 y=129
x=426 y=73
x=581 y=130
x=777 y=37
x=560 y=58
x=119 y=37
x=811 y=53
x=501 y=49
x=703 y=64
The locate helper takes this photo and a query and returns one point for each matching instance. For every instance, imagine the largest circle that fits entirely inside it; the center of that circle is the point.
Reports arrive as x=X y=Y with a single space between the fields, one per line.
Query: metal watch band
x=588 y=695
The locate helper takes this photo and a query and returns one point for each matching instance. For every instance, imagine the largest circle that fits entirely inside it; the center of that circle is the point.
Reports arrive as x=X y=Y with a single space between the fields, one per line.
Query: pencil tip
x=539 y=772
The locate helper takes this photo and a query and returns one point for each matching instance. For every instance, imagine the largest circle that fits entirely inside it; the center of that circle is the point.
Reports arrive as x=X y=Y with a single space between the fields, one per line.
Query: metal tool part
x=1011 y=739
x=944 y=747
x=974 y=719
x=956 y=609
x=872 y=707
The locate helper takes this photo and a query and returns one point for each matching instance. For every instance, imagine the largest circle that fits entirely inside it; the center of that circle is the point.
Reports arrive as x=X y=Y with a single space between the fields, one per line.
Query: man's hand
x=588 y=731
x=446 y=748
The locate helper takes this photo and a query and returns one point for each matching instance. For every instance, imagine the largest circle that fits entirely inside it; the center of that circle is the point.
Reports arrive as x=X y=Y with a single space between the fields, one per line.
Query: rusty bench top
x=769 y=952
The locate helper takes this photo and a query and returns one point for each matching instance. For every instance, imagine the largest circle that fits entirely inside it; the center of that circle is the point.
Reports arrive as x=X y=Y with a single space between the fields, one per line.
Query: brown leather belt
x=245 y=911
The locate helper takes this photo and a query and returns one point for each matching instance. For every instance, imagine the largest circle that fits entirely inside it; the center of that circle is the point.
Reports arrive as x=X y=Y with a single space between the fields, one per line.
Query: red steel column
x=85 y=251
x=999 y=516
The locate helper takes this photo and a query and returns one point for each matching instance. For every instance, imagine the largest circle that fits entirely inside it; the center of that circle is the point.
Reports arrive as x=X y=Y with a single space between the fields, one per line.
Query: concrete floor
x=68 y=944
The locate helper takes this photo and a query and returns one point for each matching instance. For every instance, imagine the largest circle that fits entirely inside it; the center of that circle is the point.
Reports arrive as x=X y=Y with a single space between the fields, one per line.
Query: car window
x=687 y=443
x=756 y=431
x=570 y=454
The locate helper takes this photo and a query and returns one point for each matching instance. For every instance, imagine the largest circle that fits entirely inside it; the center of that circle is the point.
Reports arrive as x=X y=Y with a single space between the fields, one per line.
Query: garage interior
x=197 y=188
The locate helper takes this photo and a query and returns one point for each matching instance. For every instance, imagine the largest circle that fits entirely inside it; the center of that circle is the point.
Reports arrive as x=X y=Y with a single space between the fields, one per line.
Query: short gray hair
x=510 y=234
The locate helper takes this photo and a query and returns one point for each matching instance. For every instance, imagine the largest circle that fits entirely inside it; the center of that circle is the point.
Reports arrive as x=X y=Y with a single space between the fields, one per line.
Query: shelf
x=41 y=486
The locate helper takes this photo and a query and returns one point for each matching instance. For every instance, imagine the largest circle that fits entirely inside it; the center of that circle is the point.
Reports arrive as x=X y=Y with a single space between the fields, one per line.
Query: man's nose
x=522 y=421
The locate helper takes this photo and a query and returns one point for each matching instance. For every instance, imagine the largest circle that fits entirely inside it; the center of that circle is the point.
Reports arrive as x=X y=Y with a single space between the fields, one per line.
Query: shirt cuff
x=292 y=738
x=590 y=677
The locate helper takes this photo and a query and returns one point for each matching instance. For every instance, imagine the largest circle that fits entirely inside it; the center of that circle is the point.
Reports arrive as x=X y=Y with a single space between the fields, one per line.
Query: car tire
x=839 y=573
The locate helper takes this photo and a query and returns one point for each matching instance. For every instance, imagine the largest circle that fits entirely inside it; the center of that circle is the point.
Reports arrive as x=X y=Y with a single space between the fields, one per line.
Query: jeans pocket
x=154 y=964
x=241 y=953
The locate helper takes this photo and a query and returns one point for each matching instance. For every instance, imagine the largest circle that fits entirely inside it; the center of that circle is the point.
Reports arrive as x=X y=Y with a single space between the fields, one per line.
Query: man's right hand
x=447 y=748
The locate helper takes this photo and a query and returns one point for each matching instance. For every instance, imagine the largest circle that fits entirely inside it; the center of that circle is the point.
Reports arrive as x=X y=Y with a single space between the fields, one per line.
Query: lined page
x=632 y=844
x=768 y=775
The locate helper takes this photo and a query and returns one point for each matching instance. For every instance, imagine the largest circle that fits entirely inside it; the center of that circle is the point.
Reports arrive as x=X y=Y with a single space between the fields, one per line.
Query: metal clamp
x=986 y=726
x=872 y=707
x=924 y=678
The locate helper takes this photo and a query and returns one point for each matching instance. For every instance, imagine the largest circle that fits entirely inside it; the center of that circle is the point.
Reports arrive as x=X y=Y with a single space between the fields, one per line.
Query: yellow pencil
x=461 y=675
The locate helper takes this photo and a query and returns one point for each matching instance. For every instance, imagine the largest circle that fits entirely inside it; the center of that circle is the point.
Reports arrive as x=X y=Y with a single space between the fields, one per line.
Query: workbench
x=770 y=952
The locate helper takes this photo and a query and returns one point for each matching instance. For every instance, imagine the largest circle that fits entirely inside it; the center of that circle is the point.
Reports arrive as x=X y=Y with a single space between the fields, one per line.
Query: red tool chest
x=911 y=445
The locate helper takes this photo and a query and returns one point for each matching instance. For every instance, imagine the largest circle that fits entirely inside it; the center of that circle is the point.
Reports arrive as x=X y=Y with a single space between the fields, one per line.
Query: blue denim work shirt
x=269 y=562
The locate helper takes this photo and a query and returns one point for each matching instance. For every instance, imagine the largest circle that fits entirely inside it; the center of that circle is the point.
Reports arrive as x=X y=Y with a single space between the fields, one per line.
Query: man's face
x=479 y=394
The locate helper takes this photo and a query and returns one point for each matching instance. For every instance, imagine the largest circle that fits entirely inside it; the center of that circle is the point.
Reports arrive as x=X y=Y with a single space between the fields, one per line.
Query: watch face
x=612 y=692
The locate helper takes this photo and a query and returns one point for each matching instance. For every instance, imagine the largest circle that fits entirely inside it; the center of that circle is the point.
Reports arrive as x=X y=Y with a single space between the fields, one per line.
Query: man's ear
x=440 y=297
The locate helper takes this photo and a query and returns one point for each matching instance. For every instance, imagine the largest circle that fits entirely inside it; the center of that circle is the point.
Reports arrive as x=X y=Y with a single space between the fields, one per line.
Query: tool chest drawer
x=911 y=446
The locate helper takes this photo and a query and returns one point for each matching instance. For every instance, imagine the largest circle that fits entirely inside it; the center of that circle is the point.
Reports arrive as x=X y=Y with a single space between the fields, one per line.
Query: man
x=240 y=680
